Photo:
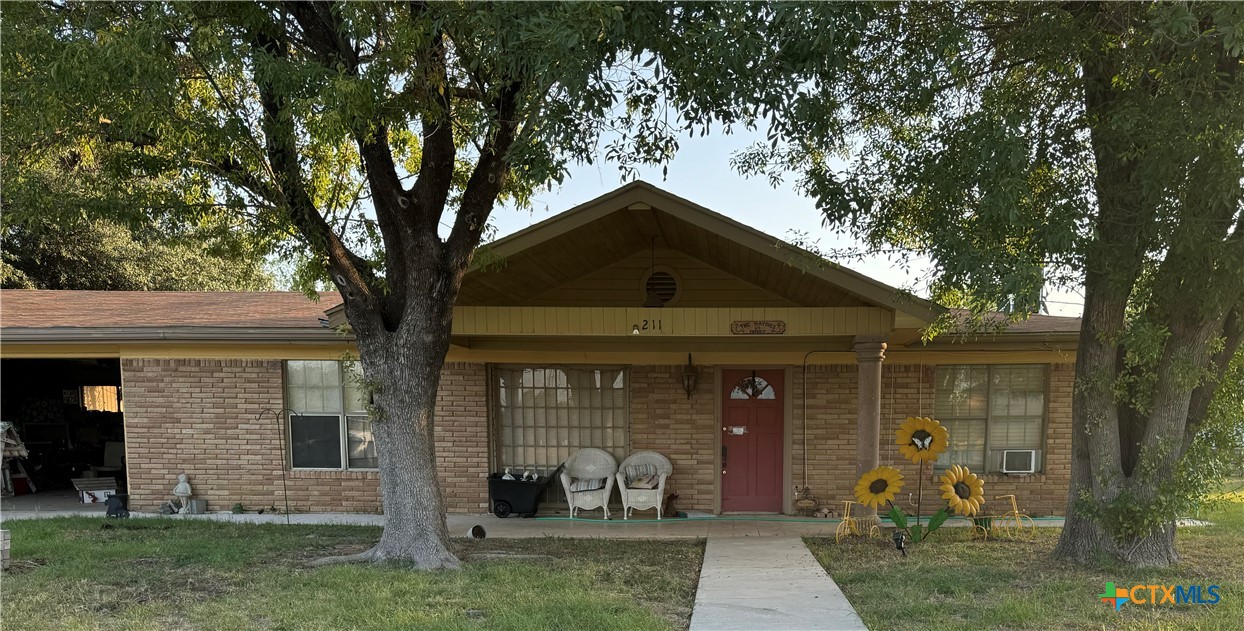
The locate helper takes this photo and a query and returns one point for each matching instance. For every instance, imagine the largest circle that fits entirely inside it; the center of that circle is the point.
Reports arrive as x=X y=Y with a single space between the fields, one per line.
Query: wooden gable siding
x=777 y=267
x=621 y=285
x=515 y=277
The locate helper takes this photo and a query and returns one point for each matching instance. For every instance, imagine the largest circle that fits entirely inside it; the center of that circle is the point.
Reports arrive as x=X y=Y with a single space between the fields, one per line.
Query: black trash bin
x=516 y=497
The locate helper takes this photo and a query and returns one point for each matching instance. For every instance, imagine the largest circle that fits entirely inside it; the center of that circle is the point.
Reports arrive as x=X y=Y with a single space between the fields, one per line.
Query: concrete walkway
x=761 y=583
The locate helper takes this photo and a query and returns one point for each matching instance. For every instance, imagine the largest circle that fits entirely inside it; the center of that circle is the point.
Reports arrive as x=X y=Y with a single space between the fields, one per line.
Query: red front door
x=751 y=440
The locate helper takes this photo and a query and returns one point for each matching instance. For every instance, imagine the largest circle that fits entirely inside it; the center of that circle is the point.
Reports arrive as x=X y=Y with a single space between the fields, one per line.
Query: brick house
x=636 y=321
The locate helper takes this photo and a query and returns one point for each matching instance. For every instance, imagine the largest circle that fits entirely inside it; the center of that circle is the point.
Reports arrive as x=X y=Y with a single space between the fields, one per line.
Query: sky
x=701 y=173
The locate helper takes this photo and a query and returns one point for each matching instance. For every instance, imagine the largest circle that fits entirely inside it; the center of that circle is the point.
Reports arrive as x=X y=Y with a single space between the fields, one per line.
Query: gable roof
x=632 y=218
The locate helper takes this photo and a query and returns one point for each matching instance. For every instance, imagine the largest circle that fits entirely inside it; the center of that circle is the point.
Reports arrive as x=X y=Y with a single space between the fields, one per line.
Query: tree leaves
x=105 y=255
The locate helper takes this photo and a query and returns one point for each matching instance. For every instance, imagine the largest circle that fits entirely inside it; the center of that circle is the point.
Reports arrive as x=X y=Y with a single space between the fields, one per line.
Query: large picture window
x=990 y=409
x=546 y=414
x=329 y=428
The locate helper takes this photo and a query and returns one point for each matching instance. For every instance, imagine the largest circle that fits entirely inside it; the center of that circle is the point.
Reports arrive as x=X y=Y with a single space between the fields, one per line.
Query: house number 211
x=646 y=325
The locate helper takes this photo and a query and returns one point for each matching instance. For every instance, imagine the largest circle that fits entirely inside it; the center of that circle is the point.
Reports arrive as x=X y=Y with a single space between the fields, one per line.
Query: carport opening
x=69 y=414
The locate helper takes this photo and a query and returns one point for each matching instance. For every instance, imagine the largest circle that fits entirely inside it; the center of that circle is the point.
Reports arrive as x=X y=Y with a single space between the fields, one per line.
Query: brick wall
x=664 y=420
x=200 y=416
x=462 y=445
x=907 y=390
x=829 y=437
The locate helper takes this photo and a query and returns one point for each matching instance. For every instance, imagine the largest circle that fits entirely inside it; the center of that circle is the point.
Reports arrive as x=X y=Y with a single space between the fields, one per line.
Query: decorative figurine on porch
x=182 y=492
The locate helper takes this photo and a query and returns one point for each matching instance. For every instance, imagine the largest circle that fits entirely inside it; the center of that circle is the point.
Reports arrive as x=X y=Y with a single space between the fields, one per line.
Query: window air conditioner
x=1019 y=461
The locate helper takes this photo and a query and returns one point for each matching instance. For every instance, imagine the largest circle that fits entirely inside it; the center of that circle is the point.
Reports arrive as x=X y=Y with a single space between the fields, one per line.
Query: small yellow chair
x=851 y=527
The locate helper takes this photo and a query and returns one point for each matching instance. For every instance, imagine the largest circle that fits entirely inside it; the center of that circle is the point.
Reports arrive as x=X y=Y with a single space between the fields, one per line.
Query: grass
x=954 y=582
x=70 y=573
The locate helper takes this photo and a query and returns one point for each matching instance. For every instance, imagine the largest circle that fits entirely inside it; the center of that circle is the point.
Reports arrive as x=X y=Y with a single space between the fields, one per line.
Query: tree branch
x=485 y=182
x=1203 y=395
x=436 y=166
x=350 y=272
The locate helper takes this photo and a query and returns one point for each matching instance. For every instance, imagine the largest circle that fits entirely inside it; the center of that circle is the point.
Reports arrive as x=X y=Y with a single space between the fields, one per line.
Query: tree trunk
x=1155 y=549
x=402 y=369
x=1082 y=538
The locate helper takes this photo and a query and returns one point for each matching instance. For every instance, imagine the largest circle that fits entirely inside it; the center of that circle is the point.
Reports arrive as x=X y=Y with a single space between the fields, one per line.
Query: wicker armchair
x=638 y=464
x=588 y=467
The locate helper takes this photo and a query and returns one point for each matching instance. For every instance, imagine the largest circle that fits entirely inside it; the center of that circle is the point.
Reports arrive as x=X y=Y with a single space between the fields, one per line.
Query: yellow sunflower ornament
x=921 y=439
x=878 y=486
x=963 y=490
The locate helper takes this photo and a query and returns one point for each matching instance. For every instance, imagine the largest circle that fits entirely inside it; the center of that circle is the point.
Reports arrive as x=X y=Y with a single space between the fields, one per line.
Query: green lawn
x=139 y=574
x=953 y=582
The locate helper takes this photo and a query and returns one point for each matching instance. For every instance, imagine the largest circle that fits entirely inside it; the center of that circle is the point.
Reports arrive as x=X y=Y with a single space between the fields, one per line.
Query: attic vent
x=662 y=284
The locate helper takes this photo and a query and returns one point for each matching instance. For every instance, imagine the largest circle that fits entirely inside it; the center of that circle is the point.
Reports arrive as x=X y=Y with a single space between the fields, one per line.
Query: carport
x=70 y=415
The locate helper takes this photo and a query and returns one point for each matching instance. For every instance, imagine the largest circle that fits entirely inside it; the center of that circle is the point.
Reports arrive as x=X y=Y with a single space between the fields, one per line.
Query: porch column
x=869 y=352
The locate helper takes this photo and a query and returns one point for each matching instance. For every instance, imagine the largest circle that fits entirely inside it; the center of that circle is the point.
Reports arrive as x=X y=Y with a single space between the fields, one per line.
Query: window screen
x=989 y=409
x=546 y=414
x=315 y=442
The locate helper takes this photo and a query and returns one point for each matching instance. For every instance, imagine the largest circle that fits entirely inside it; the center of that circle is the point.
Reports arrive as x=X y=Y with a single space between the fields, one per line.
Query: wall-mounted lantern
x=690 y=375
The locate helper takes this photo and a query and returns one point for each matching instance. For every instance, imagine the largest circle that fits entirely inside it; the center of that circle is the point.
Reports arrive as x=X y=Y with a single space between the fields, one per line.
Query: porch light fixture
x=634 y=329
x=690 y=375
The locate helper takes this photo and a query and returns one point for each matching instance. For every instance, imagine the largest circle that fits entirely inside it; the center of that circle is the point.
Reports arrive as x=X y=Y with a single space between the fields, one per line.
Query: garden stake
x=919 y=496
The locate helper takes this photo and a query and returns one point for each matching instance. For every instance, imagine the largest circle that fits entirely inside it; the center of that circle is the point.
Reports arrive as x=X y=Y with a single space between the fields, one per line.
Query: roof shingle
x=41 y=309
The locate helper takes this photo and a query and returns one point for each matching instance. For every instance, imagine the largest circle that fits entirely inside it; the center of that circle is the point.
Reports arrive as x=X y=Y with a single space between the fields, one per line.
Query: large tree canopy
x=78 y=213
x=1018 y=144
x=357 y=131
x=101 y=254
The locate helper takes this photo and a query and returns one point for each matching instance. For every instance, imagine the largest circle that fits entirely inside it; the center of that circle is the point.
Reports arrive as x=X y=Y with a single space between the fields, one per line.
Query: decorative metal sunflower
x=878 y=486
x=963 y=490
x=921 y=439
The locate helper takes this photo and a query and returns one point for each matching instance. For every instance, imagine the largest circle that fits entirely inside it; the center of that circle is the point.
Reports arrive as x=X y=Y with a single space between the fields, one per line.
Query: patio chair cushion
x=587 y=484
x=636 y=471
x=649 y=481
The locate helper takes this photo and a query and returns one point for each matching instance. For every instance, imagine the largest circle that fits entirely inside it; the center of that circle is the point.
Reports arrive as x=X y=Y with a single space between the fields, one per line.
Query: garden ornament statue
x=182 y=492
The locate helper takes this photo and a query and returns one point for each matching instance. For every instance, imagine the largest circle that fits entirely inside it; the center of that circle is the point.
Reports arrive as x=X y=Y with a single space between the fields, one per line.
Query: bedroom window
x=989 y=410
x=330 y=428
